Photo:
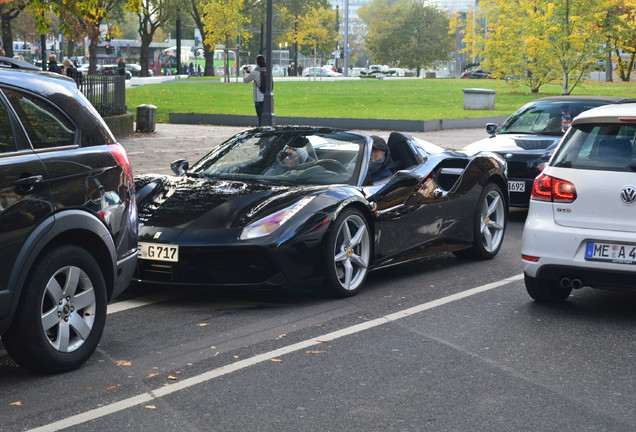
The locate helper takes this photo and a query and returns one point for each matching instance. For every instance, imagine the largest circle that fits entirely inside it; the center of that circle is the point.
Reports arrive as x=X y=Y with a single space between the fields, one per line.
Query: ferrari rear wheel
x=489 y=224
x=348 y=254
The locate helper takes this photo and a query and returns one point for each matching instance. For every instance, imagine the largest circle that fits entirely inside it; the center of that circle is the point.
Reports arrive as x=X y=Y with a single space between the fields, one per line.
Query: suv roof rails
x=7 y=62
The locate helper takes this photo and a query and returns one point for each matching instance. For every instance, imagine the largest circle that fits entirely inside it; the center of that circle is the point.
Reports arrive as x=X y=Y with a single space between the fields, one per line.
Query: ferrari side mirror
x=179 y=167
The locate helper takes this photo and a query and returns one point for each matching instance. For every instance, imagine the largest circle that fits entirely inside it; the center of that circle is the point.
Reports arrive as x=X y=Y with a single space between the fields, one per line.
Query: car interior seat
x=401 y=151
x=612 y=150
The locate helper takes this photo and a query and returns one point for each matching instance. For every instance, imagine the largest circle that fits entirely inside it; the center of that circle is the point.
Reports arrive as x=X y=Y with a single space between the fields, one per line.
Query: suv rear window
x=606 y=147
x=46 y=126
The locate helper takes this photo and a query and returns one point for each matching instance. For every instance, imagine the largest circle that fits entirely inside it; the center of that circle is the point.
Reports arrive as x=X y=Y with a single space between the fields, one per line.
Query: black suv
x=68 y=221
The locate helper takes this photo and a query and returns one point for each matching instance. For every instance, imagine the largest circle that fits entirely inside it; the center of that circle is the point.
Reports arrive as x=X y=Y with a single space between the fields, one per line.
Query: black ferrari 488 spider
x=282 y=206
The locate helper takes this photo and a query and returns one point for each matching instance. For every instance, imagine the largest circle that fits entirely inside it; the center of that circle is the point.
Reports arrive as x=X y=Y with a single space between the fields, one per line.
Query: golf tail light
x=271 y=223
x=551 y=189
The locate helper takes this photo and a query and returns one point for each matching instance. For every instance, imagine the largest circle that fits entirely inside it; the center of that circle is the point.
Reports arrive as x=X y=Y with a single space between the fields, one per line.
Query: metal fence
x=107 y=93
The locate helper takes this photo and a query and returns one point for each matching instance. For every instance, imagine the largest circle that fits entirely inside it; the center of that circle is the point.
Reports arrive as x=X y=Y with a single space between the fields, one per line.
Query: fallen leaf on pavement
x=314 y=352
x=18 y=403
x=203 y=324
x=170 y=377
x=276 y=360
x=322 y=341
x=280 y=336
x=152 y=374
x=150 y=407
x=123 y=363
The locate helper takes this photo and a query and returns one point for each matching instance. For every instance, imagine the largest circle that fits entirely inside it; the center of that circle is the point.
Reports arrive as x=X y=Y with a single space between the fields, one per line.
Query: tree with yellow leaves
x=539 y=41
x=223 y=20
x=315 y=31
x=622 y=36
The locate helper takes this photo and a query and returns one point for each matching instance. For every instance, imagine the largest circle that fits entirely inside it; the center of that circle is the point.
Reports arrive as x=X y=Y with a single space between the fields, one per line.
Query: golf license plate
x=158 y=252
x=516 y=186
x=611 y=252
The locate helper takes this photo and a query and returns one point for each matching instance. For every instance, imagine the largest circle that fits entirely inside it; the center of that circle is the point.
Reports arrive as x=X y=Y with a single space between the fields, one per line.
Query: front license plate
x=159 y=252
x=516 y=186
x=610 y=252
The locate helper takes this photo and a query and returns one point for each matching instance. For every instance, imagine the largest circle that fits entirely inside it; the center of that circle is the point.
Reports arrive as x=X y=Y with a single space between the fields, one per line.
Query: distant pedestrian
x=69 y=69
x=190 y=70
x=259 y=77
x=53 y=66
x=2 y=53
x=121 y=66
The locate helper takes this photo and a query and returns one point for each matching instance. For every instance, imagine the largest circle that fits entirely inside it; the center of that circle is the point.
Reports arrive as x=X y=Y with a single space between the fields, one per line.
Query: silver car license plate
x=611 y=252
x=159 y=252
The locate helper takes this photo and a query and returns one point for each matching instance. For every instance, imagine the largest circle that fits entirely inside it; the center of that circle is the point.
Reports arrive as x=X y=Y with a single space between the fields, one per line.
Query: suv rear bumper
x=125 y=270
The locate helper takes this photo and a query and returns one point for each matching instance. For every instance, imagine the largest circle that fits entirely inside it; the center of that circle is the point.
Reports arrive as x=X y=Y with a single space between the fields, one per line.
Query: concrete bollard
x=479 y=99
x=146 y=118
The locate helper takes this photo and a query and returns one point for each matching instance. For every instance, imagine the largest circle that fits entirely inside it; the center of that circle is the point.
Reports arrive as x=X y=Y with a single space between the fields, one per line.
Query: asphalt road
x=442 y=344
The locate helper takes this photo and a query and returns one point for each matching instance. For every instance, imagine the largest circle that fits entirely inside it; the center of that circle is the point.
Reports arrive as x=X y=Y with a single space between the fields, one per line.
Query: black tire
x=489 y=224
x=543 y=290
x=347 y=254
x=62 y=312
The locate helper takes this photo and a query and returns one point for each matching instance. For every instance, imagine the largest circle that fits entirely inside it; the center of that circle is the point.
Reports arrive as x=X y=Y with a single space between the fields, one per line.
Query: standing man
x=53 y=66
x=258 y=76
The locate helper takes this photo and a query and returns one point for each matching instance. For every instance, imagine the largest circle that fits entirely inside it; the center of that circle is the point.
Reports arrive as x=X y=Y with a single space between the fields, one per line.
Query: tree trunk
x=209 y=61
x=92 y=55
x=146 y=39
x=566 y=83
x=7 y=34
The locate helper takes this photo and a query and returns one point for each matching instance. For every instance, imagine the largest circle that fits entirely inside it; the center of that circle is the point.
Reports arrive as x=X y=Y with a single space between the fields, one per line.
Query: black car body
x=477 y=73
x=527 y=139
x=112 y=70
x=68 y=218
x=228 y=222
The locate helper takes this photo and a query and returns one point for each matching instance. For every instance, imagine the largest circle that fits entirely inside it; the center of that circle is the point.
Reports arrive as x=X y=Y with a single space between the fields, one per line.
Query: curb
x=343 y=123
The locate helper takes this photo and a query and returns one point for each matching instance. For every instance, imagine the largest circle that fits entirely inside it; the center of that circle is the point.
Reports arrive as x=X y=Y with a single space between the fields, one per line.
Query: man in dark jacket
x=380 y=159
x=53 y=66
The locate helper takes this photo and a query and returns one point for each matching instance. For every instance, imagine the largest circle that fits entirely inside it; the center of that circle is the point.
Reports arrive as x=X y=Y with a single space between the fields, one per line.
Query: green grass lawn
x=422 y=99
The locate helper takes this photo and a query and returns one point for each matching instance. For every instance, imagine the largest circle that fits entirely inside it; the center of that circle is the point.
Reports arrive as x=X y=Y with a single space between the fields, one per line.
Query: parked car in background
x=528 y=138
x=320 y=72
x=580 y=228
x=477 y=73
x=113 y=70
x=68 y=242
x=135 y=70
x=283 y=206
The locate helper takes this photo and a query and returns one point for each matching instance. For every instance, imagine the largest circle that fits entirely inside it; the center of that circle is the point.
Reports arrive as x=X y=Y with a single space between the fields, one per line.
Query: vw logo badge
x=508 y=155
x=628 y=194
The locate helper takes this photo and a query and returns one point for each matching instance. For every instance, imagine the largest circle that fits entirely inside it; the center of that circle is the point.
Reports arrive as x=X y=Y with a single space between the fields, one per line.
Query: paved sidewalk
x=153 y=152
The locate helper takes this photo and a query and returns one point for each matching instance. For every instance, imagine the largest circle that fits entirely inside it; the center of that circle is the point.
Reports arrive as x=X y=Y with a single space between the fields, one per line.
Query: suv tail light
x=546 y=188
x=122 y=159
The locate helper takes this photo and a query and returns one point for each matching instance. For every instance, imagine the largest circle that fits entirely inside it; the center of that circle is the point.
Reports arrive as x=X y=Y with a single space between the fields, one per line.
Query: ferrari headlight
x=271 y=223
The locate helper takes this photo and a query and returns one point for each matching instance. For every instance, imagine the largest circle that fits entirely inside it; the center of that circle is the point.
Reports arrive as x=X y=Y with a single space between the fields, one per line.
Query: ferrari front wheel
x=489 y=224
x=348 y=254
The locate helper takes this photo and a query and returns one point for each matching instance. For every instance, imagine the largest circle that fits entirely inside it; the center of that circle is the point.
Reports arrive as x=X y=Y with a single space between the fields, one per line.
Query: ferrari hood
x=512 y=143
x=193 y=203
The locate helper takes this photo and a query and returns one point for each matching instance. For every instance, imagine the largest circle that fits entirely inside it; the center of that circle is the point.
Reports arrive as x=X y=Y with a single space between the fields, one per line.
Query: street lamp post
x=268 y=117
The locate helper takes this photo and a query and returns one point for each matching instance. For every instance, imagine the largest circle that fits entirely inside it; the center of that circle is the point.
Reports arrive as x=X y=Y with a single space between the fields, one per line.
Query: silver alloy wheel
x=352 y=252
x=68 y=309
x=493 y=221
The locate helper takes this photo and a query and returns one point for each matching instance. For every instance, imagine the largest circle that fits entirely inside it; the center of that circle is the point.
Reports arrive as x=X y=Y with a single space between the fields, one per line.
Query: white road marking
x=143 y=301
x=242 y=364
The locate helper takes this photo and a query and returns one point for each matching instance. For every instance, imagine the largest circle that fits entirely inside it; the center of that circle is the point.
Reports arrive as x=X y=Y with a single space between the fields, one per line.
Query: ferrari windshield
x=546 y=118
x=294 y=155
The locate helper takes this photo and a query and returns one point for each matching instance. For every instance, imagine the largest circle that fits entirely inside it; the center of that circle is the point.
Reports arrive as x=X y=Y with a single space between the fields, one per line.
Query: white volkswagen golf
x=581 y=225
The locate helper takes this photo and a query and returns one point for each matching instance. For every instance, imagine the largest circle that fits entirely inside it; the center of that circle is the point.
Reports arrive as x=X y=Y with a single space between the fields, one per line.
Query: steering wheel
x=332 y=165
